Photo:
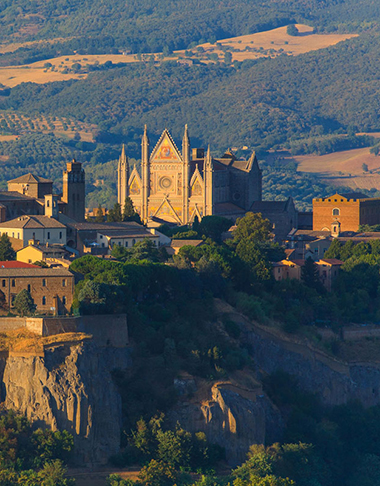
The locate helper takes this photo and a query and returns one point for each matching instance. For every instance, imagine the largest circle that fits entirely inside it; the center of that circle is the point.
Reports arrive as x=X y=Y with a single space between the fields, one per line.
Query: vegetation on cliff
x=32 y=457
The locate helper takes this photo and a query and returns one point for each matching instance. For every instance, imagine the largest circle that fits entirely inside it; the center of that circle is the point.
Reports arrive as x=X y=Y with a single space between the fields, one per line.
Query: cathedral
x=176 y=186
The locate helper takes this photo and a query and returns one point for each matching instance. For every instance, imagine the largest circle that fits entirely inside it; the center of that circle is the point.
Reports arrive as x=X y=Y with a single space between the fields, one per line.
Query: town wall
x=107 y=330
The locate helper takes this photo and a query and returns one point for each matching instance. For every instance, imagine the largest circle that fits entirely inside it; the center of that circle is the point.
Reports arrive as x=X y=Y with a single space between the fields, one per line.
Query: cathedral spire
x=123 y=159
x=122 y=178
x=208 y=161
x=186 y=139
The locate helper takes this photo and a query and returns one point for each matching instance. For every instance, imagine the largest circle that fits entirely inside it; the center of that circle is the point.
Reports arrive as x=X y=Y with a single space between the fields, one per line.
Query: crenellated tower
x=122 y=178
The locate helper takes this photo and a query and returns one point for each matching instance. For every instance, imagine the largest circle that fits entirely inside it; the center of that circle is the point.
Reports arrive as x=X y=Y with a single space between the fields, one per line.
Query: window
x=43 y=300
x=34 y=235
x=13 y=282
x=119 y=243
x=48 y=203
x=336 y=212
x=18 y=235
x=44 y=282
x=60 y=235
x=29 y=288
x=101 y=237
x=64 y=300
x=13 y=235
x=4 y=283
x=48 y=237
x=29 y=260
x=64 y=282
x=133 y=241
x=126 y=243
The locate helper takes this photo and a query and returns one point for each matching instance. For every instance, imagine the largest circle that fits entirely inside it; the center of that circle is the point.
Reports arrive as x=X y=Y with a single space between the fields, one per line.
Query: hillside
x=270 y=43
x=149 y=26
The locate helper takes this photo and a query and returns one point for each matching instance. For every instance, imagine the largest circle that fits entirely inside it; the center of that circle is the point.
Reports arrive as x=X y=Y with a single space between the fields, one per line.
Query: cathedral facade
x=176 y=186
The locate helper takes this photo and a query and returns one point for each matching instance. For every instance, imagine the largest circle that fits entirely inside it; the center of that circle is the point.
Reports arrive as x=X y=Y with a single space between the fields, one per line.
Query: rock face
x=231 y=420
x=335 y=381
x=71 y=388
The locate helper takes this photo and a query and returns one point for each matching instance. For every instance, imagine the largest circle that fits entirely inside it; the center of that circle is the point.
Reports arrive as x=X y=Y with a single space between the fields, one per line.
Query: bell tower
x=74 y=191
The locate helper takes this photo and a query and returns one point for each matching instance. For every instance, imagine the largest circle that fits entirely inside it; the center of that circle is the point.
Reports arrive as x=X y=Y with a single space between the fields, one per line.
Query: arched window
x=43 y=300
x=336 y=212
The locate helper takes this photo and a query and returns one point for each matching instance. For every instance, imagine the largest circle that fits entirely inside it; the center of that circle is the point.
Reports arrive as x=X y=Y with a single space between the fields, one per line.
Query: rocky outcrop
x=71 y=388
x=231 y=419
x=335 y=382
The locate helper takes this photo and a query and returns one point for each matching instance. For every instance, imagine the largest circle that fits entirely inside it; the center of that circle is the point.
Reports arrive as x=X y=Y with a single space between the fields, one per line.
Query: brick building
x=345 y=212
x=52 y=289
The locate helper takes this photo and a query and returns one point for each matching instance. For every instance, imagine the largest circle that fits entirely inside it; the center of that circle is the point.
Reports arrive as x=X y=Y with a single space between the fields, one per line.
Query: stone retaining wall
x=107 y=330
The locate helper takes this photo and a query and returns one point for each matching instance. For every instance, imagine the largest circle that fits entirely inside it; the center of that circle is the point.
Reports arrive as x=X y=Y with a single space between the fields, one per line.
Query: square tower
x=74 y=192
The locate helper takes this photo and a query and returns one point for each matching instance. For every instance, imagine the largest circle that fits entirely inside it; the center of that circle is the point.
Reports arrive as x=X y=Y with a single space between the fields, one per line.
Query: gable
x=166 y=150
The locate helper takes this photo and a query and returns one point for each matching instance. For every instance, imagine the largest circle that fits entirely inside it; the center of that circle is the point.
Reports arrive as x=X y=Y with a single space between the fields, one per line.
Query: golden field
x=263 y=44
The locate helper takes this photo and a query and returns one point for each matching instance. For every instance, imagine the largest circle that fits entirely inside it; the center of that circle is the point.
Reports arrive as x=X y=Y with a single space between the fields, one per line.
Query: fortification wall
x=11 y=323
x=107 y=330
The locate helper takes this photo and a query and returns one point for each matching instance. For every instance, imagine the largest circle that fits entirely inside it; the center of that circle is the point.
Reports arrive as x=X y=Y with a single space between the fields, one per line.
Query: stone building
x=52 y=289
x=282 y=214
x=345 y=212
x=33 y=195
x=44 y=229
x=177 y=186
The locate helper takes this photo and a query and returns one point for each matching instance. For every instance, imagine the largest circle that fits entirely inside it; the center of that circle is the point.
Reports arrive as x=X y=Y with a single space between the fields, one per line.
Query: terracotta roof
x=16 y=264
x=270 y=206
x=46 y=249
x=34 y=272
x=127 y=233
x=181 y=243
x=32 y=222
x=354 y=195
x=99 y=227
x=14 y=195
x=29 y=178
x=331 y=261
x=223 y=208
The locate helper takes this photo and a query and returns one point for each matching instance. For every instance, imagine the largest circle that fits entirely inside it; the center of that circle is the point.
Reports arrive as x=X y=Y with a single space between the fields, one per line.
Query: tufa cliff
x=70 y=387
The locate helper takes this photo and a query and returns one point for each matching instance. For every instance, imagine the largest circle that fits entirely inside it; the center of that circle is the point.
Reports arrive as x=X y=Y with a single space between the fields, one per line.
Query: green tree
x=213 y=227
x=24 y=304
x=6 y=250
x=92 y=298
x=114 y=215
x=252 y=226
x=129 y=213
x=292 y=30
x=158 y=473
x=227 y=57
x=116 y=480
x=53 y=474
x=310 y=274
x=335 y=250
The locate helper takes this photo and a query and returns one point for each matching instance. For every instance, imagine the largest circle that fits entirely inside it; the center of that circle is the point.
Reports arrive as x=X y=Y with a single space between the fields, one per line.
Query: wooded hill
x=148 y=26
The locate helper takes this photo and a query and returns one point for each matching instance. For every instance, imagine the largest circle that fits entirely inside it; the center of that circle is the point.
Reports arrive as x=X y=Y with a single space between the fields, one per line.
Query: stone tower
x=122 y=178
x=51 y=205
x=74 y=191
